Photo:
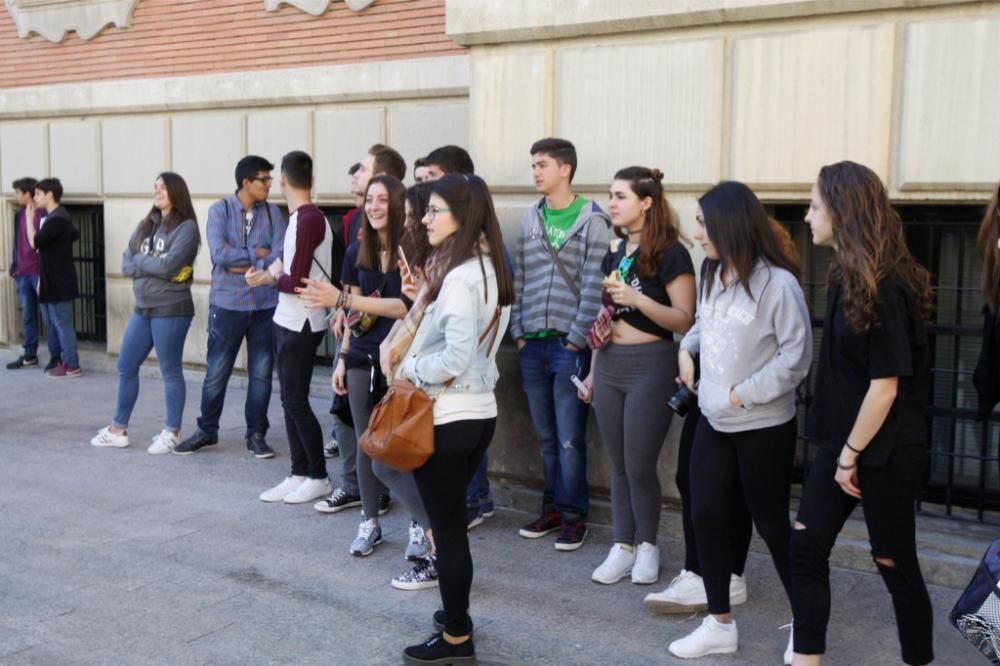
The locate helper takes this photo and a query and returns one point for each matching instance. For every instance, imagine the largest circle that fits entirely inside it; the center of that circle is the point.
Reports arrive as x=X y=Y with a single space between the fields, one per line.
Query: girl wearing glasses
x=872 y=387
x=465 y=309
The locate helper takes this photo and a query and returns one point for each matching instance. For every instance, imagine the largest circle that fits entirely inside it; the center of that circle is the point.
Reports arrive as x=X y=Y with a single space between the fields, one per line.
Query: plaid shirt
x=233 y=238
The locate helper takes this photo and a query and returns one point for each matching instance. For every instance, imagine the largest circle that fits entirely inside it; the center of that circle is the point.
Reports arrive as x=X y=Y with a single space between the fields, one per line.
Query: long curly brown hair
x=868 y=235
x=989 y=234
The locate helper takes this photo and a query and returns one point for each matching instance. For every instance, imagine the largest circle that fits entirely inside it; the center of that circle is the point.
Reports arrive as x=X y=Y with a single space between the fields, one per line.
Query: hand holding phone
x=406 y=264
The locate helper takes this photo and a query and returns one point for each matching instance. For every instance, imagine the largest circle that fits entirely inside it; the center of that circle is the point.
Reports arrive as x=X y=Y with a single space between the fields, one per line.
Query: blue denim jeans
x=478 y=493
x=59 y=317
x=27 y=290
x=560 y=421
x=226 y=330
x=142 y=334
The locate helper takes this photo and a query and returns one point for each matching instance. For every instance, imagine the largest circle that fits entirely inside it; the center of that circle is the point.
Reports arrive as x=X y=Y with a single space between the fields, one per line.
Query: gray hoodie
x=161 y=278
x=542 y=300
x=761 y=348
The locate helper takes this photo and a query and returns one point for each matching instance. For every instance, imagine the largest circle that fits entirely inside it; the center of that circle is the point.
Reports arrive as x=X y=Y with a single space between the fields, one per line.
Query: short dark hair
x=353 y=169
x=50 y=185
x=248 y=168
x=451 y=159
x=387 y=161
x=561 y=150
x=419 y=162
x=26 y=184
x=297 y=168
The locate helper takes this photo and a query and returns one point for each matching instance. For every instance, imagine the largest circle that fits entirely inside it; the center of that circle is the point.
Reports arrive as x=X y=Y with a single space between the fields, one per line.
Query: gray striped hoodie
x=542 y=301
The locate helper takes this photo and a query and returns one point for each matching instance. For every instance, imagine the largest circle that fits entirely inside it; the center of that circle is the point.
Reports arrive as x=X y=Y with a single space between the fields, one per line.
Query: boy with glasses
x=243 y=231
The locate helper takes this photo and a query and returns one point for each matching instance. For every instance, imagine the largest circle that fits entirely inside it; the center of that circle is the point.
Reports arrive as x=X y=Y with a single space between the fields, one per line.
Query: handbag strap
x=556 y=260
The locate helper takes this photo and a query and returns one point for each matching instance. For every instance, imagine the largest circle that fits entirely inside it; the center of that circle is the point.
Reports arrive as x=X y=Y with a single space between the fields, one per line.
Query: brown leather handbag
x=400 y=430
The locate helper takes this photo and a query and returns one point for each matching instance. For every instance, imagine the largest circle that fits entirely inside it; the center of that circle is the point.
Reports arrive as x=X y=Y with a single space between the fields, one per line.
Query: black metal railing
x=965 y=465
x=90 y=309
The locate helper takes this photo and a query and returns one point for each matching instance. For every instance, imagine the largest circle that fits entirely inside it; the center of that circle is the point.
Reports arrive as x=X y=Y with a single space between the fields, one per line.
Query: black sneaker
x=338 y=501
x=198 y=440
x=331 y=450
x=440 y=619
x=258 y=446
x=436 y=650
x=53 y=363
x=23 y=362
x=383 y=503
x=572 y=535
x=539 y=527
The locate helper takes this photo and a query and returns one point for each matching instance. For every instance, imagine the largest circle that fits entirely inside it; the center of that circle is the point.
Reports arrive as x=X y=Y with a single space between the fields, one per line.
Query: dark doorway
x=90 y=309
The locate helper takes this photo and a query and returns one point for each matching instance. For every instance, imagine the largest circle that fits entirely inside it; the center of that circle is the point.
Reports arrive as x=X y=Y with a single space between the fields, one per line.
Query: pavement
x=114 y=556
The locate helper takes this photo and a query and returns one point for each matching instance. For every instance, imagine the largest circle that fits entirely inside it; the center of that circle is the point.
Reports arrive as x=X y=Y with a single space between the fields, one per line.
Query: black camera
x=684 y=399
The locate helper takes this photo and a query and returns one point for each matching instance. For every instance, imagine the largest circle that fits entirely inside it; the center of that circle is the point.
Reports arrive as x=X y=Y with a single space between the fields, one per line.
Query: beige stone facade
x=764 y=91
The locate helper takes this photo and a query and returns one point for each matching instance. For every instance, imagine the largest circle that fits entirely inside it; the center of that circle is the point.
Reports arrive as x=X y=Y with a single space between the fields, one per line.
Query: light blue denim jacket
x=447 y=342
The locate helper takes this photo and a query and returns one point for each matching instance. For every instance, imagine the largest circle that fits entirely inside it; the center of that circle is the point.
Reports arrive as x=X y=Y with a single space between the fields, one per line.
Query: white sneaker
x=710 y=638
x=107 y=439
x=647 y=564
x=790 y=648
x=418 y=547
x=280 y=491
x=685 y=594
x=616 y=565
x=737 y=590
x=164 y=443
x=309 y=490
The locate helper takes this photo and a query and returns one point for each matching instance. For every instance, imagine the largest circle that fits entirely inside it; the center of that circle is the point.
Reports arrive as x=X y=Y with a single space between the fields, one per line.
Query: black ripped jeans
x=888 y=495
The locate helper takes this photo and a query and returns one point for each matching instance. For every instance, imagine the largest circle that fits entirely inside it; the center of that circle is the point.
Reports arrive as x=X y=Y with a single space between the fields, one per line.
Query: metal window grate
x=90 y=308
x=965 y=466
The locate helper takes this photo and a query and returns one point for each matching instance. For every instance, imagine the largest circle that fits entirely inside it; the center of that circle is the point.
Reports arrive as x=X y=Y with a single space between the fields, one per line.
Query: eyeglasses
x=265 y=179
x=432 y=211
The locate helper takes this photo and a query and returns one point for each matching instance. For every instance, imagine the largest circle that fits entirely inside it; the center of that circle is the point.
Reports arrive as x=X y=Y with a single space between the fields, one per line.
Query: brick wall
x=179 y=37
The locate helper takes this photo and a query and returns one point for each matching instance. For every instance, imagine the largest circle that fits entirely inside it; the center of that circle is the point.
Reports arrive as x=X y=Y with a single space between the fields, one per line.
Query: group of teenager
x=605 y=310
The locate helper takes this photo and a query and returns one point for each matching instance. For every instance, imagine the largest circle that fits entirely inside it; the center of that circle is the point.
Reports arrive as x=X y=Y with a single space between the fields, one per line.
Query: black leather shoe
x=257 y=445
x=198 y=440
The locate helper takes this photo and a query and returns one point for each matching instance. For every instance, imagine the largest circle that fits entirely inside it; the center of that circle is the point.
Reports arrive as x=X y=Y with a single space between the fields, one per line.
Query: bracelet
x=848 y=445
x=845 y=467
x=340 y=301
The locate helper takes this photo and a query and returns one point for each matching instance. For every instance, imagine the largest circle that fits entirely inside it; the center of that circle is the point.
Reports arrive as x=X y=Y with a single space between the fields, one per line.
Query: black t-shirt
x=896 y=346
x=389 y=285
x=676 y=260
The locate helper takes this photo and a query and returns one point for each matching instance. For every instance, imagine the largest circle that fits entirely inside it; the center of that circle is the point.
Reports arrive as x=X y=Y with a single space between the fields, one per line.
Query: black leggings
x=889 y=494
x=458 y=448
x=759 y=460
x=742 y=526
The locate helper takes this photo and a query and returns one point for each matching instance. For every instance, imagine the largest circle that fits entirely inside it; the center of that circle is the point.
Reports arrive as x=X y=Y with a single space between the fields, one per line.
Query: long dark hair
x=989 y=234
x=181 y=209
x=415 y=242
x=661 y=228
x=472 y=207
x=739 y=228
x=368 y=253
x=868 y=235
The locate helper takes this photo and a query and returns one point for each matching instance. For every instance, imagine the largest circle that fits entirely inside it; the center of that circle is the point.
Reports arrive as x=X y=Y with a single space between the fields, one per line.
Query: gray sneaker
x=369 y=536
x=419 y=546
